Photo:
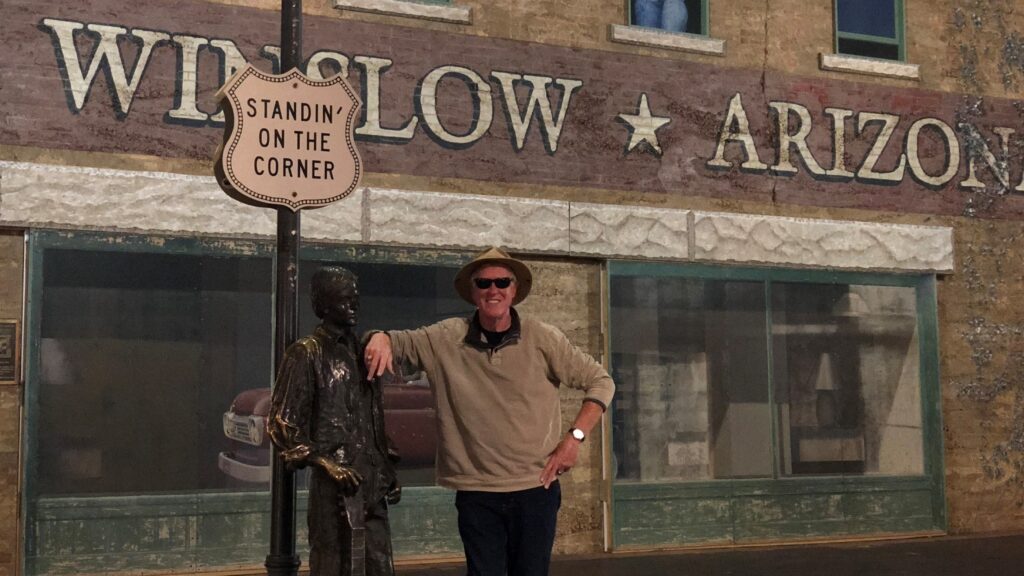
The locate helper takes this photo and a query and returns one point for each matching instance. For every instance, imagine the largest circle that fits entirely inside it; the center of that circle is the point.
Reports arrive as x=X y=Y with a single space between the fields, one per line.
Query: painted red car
x=408 y=419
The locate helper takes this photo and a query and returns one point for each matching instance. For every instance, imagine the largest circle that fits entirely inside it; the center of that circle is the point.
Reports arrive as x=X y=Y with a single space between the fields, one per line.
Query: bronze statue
x=328 y=415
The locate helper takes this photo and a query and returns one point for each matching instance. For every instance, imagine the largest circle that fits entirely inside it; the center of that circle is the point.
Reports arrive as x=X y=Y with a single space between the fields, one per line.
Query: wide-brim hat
x=494 y=256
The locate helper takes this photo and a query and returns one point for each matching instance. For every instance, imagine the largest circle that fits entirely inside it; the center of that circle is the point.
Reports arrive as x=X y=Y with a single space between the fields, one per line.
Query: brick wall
x=11 y=274
x=567 y=295
x=966 y=51
x=981 y=333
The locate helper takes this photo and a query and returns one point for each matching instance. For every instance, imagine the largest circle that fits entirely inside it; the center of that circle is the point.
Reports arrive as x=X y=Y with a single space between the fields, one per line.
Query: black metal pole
x=282 y=559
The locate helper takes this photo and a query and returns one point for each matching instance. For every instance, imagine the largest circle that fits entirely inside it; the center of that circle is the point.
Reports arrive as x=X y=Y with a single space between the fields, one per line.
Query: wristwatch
x=577 y=434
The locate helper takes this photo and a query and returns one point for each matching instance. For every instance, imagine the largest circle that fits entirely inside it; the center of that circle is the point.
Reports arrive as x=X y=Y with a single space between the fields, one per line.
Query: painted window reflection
x=670 y=15
x=740 y=376
x=870 y=28
x=689 y=361
x=847 y=379
x=148 y=385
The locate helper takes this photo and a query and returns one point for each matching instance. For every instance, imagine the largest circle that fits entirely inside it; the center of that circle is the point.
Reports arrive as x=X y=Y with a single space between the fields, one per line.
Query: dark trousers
x=508 y=533
x=330 y=536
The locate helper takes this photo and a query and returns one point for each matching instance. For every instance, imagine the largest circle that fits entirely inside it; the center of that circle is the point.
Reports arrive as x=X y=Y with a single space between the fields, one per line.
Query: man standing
x=496 y=379
x=327 y=415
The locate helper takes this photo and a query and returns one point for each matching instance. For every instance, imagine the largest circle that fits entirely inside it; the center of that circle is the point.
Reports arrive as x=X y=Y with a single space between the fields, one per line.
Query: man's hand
x=560 y=461
x=378 y=355
x=347 y=478
x=564 y=457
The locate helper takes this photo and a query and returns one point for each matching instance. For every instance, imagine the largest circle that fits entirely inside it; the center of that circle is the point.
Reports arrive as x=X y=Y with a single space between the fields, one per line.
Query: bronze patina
x=326 y=414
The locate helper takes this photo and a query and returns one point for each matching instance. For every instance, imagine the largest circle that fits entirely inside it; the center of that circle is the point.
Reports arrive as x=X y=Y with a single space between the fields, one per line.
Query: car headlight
x=256 y=430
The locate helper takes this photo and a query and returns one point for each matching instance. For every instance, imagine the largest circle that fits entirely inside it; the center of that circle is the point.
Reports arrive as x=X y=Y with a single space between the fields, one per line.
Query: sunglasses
x=485 y=283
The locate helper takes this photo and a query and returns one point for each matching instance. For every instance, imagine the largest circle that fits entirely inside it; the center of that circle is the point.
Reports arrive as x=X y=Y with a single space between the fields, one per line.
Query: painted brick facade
x=970 y=55
x=11 y=274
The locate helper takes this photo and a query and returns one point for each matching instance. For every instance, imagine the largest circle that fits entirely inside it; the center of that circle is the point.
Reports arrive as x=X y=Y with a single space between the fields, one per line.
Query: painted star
x=642 y=126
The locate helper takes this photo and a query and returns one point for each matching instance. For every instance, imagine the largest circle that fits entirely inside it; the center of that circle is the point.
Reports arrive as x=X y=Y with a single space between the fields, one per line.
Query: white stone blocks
x=840 y=244
x=48 y=196
x=628 y=231
x=460 y=220
x=38 y=195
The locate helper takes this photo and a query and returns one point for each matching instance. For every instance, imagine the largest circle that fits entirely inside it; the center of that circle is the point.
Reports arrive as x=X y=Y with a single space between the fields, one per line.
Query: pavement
x=992 y=555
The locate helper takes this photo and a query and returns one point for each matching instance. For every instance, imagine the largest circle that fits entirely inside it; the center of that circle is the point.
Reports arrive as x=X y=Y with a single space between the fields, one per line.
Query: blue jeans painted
x=670 y=15
x=508 y=533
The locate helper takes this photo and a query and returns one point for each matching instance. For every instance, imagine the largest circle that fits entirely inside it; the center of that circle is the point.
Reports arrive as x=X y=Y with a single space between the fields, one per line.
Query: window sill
x=869 y=66
x=439 y=12
x=681 y=41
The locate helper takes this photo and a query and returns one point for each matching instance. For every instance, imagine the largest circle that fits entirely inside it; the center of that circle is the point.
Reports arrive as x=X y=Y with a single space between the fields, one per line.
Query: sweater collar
x=475 y=336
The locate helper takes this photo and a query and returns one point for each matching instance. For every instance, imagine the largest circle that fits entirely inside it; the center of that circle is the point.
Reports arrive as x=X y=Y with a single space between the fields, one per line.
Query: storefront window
x=148 y=387
x=394 y=297
x=847 y=380
x=140 y=355
x=692 y=398
x=692 y=358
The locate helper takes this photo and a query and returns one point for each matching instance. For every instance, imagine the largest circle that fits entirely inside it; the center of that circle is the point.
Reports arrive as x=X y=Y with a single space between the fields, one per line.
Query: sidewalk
x=1000 y=555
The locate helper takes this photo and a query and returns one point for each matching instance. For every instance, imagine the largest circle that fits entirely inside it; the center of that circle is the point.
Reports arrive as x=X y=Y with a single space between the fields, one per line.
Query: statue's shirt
x=324 y=406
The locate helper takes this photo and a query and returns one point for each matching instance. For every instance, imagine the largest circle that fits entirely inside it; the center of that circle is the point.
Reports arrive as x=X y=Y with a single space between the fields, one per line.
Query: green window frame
x=72 y=531
x=781 y=505
x=701 y=25
x=859 y=43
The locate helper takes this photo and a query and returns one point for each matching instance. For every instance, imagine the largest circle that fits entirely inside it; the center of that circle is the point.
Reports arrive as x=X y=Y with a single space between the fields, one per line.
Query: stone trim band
x=869 y=66
x=39 y=195
x=654 y=38
x=439 y=12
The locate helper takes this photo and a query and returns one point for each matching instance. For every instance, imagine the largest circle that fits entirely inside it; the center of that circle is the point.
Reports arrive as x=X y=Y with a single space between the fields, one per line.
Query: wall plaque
x=9 y=351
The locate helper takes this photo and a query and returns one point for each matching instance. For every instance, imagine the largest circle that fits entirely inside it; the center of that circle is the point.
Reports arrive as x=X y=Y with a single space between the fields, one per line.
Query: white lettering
x=77 y=83
x=321 y=56
x=736 y=115
x=371 y=128
x=185 y=106
x=231 y=61
x=799 y=139
x=482 y=105
x=838 y=170
x=867 y=170
x=977 y=146
x=913 y=152
x=550 y=127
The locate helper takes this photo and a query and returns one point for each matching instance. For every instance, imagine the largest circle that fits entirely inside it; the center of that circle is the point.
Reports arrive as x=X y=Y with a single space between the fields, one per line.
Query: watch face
x=578 y=434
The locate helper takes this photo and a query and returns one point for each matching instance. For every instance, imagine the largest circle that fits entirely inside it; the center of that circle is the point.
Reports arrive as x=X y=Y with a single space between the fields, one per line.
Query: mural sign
x=288 y=139
x=498 y=110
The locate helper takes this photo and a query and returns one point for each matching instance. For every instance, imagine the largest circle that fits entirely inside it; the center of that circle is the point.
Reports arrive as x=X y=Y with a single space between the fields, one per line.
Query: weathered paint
x=738 y=511
x=727 y=510
x=181 y=532
x=192 y=530
x=12 y=262
x=967 y=49
x=727 y=128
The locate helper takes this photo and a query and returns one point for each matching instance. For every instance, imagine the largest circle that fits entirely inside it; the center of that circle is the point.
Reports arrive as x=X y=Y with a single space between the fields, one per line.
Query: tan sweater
x=498 y=414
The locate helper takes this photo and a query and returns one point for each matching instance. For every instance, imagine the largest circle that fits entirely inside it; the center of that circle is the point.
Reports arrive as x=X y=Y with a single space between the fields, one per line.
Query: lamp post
x=283 y=559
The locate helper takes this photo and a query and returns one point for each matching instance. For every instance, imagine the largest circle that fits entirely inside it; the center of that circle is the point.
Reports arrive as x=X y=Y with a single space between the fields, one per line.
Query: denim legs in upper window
x=670 y=15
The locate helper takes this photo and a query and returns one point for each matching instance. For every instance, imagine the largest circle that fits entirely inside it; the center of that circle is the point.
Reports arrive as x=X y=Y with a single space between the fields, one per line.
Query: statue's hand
x=347 y=478
x=394 y=494
x=393 y=455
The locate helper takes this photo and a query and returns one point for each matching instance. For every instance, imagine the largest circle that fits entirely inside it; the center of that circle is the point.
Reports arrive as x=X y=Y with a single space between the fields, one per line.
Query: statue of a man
x=327 y=415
